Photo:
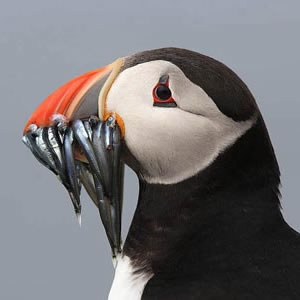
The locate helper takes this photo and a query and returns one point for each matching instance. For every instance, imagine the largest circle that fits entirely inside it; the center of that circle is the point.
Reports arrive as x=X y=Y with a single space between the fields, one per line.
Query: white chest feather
x=127 y=285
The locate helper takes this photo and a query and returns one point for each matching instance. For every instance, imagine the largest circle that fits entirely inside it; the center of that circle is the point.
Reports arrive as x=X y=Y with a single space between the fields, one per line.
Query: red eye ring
x=162 y=95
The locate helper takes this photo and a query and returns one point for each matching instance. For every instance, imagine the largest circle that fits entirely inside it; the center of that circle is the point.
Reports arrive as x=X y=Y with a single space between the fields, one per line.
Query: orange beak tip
x=77 y=99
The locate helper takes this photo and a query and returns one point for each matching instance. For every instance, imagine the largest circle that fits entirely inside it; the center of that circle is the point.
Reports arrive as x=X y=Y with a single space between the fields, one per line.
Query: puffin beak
x=72 y=135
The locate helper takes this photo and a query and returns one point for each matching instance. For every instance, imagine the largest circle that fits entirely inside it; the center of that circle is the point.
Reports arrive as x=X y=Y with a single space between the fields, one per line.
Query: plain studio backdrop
x=43 y=252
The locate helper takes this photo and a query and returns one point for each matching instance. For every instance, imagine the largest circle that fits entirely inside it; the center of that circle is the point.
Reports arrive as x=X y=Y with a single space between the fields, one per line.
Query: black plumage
x=219 y=234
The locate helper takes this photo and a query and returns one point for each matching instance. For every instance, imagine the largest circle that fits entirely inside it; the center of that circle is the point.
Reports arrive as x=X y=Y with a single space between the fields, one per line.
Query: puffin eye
x=162 y=95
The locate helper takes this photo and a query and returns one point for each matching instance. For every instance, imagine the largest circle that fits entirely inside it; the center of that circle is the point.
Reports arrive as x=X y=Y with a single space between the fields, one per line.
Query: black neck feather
x=203 y=220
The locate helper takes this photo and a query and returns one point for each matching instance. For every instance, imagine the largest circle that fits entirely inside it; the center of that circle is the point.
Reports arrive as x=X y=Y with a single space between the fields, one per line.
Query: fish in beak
x=72 y=135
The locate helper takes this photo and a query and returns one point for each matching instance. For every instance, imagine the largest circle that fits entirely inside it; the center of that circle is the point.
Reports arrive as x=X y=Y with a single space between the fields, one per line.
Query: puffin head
x=179 y=112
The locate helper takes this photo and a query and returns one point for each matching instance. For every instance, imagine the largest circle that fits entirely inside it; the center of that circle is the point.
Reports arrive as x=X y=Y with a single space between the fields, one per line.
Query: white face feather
x=171 y=144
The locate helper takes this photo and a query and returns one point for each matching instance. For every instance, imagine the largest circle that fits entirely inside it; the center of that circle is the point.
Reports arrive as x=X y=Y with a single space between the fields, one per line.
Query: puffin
x=208 y=223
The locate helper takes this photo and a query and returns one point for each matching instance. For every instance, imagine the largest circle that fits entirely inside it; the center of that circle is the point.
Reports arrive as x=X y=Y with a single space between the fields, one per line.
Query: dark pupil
x=163 y=92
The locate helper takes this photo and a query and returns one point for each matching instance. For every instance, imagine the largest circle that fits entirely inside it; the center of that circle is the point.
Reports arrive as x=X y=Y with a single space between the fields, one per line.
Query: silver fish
x=101 y=175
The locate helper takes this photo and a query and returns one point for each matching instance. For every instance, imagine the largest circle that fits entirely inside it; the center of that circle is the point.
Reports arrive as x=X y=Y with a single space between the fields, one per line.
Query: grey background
x=43 y=252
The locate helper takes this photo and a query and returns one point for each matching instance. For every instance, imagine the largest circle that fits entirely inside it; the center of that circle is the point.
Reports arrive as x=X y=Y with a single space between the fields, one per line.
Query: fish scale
x=102 y=176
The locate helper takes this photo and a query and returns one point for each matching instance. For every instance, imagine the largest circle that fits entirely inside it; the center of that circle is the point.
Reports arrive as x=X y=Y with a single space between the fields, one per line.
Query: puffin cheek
x=172 y=151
